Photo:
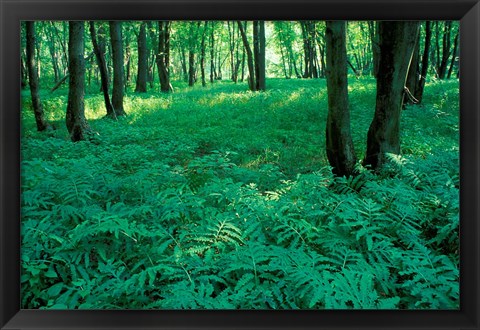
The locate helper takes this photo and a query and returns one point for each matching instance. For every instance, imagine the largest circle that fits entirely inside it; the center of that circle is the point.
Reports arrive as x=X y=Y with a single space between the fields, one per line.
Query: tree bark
x=413 y=75
x=33 y=78
x=212 y=53
x=202 y=54
x=251 y=71
x=103 y=69
x=117 y=58
x=259 y=54
x=142 y=69
x=425 y=59
x=339 y=144
x=454 y=56
x=191 y=55
x=163 y=55
x=77 y=125
x=375 y=47
x=445 y=50
x=261 y=82
x=396 y=41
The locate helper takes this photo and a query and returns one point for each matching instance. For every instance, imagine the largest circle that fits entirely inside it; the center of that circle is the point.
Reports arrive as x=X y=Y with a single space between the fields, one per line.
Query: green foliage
x=224 y=200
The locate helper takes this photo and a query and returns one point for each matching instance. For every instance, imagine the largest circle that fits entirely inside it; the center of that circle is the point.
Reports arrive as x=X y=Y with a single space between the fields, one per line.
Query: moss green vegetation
x=215 y=198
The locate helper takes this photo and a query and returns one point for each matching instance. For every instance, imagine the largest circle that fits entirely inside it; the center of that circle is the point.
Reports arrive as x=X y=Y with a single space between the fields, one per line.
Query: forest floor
x=221 y=198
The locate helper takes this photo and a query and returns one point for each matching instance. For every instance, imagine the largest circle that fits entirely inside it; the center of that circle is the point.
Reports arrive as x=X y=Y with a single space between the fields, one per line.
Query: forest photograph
x=267 y=165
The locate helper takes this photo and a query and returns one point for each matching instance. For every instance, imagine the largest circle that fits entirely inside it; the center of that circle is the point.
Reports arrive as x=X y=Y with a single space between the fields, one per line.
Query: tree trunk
x=339 y=145
x=251 y=72
x=23 y=73
x=260 y=63
x=375 y=47
x=127 y=64
x=212 y=53
x=33 y=78
x=425 y=57
x=446 y=50
x=151 y=54
x=142 y=69
x=259 y=54
x=103 y=70
x=202 y=54
x=52 y=50
x=454 y=56
x=396 y=40
x=75 y=119
x=117 y=58
x=162 y=57
x=413 y=75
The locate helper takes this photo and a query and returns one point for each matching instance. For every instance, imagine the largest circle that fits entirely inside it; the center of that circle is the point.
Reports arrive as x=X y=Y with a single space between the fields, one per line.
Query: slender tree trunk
x=212 y=53
x=102 y=47
x=23 y=73
x=128 y=56
x=142 y=73
x=306 y=50
x=251 y=71
x=163 y=55
x=437 y=49
x=259 y=54
x=425 y=57
x=445 y=51
x=261 y=83
x=77 y=125
x=33 y=78
x=454 y=56
x=117 y=58
x=242 y=77
x=52 y=50
x=413 y=75
x=152 y=56
x=339 y=144
x=231 y=46
x=103 y=69
x=202 y=54
x=375 y=48
x=397 y=40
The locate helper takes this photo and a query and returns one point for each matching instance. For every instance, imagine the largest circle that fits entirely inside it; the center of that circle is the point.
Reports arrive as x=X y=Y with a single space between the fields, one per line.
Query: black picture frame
x=14 y=11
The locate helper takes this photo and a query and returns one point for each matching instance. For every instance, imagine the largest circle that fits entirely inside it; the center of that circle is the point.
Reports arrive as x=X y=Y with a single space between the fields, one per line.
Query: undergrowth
x=222 y=199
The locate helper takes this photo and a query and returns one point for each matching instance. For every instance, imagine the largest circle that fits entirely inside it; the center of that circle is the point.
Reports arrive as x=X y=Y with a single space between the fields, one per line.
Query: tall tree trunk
x=128 y=56
x=23 y=73
x=375 y=47
x=151 y=54
x=306 y=50
x=102 y=47
x=261 y=83
x=77 y=125
x=142 y=68
x=33 y=78
x=397 y=40
x=437 y=49
x=183 y=62
x=454 y=56
x=425 y=58
x=117 y=58
x=445 y=50
x=163 y=55
x=103 y=69
x=212 y=52
x=52 y=50
x=339 y=144
x=231 y=47
x=251 y=71
x=202 y=54
x=413 y=75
